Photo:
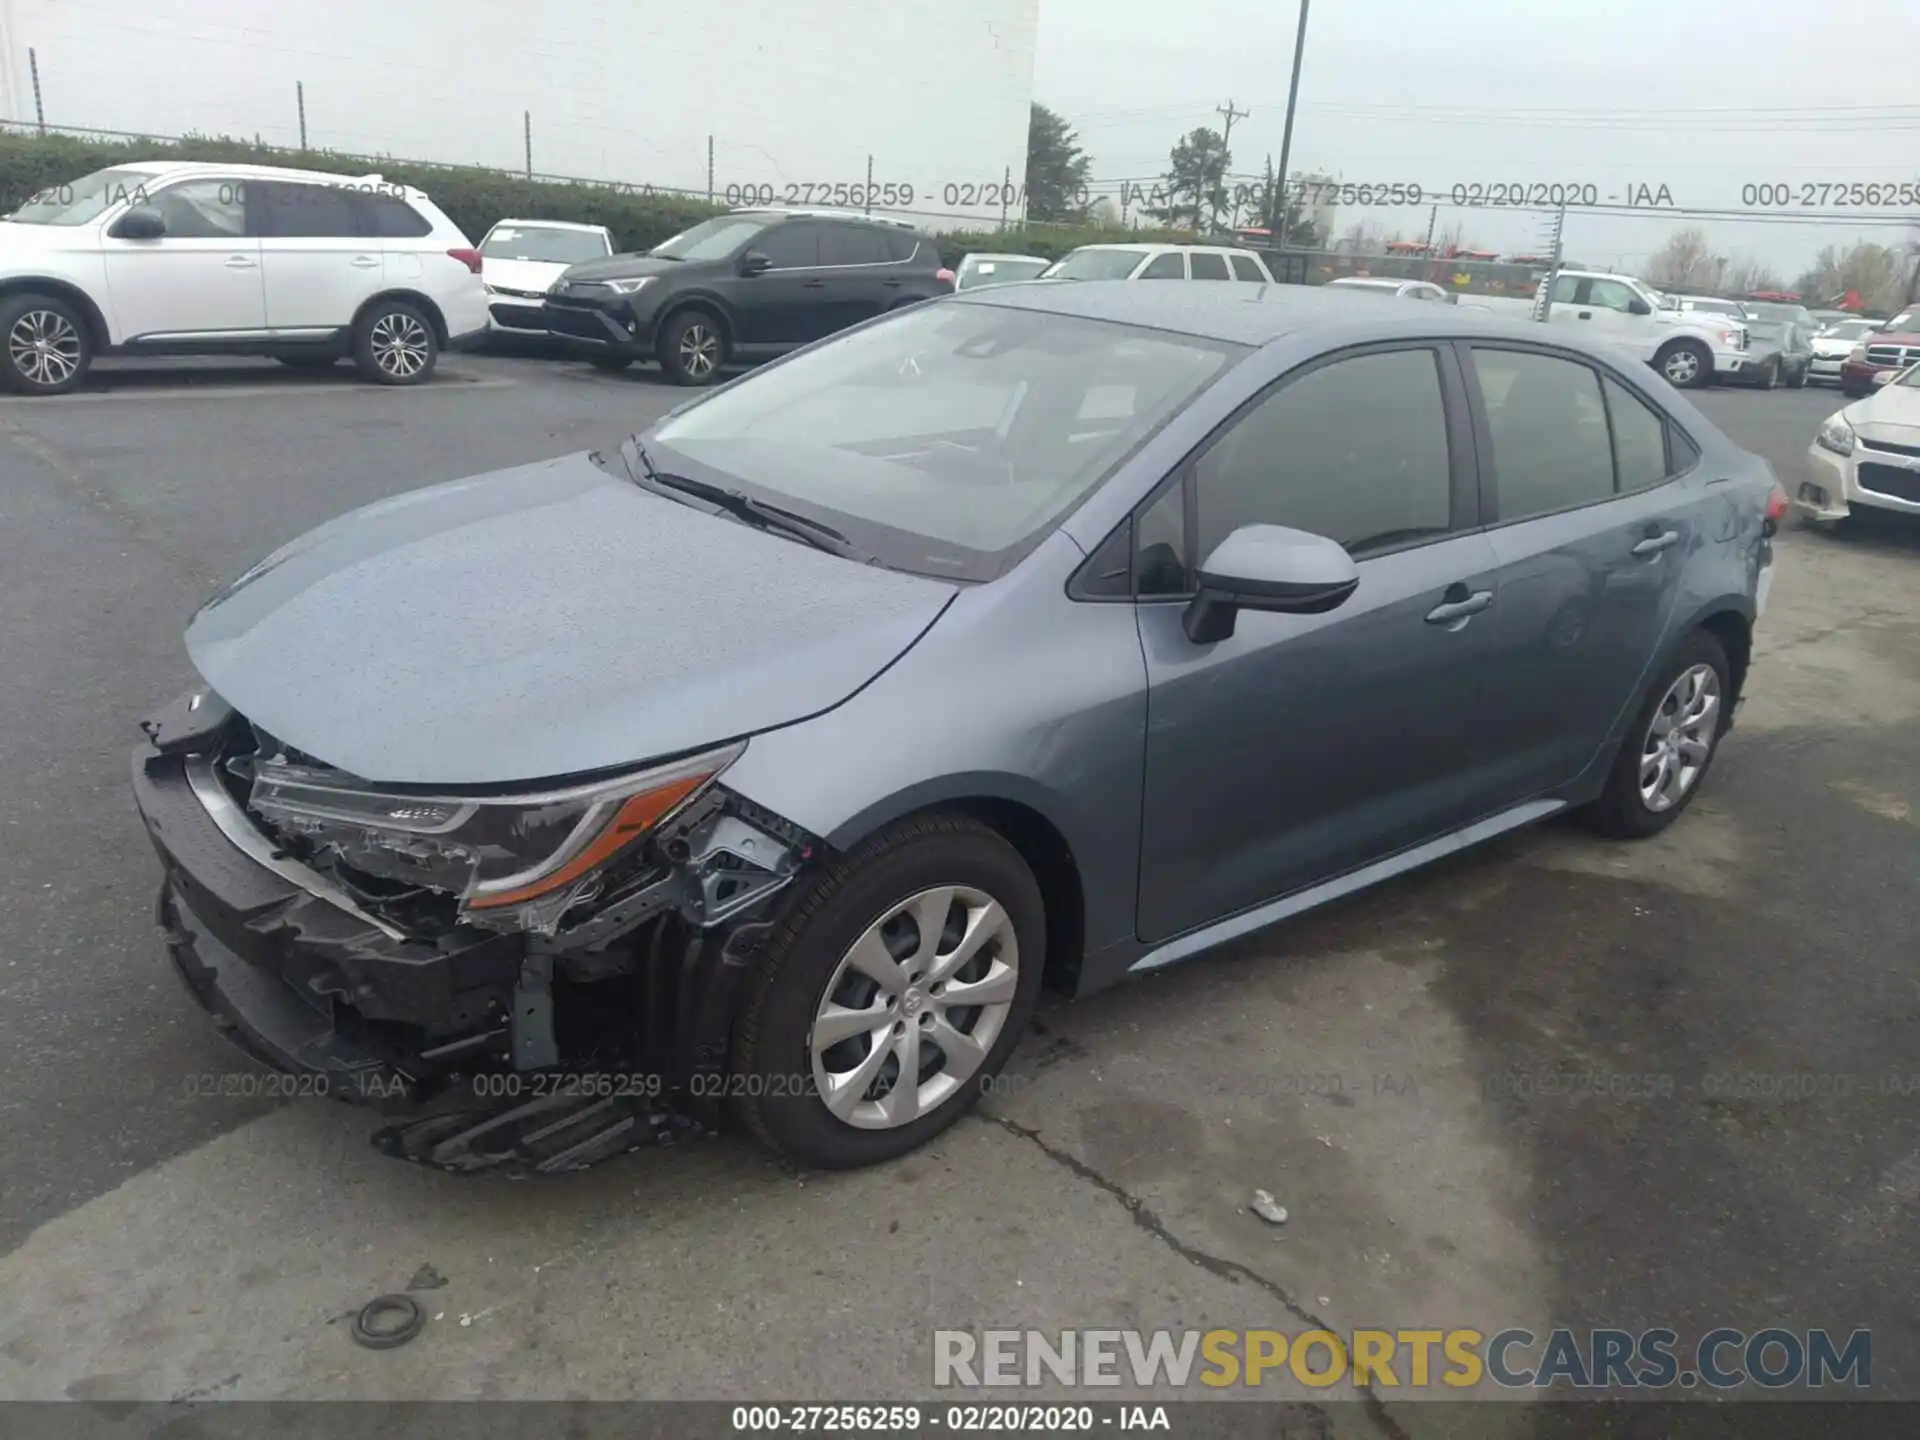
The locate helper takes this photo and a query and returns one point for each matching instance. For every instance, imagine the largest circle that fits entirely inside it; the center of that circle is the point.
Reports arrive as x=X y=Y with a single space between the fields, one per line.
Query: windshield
x=999 y=271
x=84 y=199
x=713 y=239
x=543 y=242
x=1906 y=320
x=1849 y=330
x=1096 y=265
x=1717 y=307
x=949 y=440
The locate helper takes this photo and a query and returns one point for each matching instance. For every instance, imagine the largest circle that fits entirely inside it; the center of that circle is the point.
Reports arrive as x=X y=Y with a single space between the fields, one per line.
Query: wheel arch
x=62 y=290
x=696 y=300
x=1028 y=819
x=424 y=302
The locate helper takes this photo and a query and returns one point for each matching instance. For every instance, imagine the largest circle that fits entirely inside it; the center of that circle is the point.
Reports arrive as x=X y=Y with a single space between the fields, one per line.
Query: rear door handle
x=815 y=285
x=1449 y=611
x=892 y=284
x=242 y=262
x=1654 y=544
x=365 y=262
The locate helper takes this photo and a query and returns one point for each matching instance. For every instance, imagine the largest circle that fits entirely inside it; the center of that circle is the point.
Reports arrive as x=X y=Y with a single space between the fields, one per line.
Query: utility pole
x=1231 y=115
x=1286 y=132
x=1543 y=297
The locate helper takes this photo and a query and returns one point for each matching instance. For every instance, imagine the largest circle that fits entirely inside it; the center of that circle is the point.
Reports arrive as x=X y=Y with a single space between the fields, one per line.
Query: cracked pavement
x=1381 y=1066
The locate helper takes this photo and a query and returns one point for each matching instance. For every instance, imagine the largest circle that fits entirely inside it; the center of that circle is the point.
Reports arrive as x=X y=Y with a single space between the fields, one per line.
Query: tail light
x=945 y=276
x=1776 y=502
x=468 y=258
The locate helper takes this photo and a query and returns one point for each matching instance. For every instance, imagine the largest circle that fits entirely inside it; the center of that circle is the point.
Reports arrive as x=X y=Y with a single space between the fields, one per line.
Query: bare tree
x=1744 y=277
x=1363 y=237
x=1875 y=272
x=1686 y=262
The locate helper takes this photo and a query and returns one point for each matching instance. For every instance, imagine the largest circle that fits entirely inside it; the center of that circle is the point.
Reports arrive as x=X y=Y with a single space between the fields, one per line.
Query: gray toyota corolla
x=768 y=765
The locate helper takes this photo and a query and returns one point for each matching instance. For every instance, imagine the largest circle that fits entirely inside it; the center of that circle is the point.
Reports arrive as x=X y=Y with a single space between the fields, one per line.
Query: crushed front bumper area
x=485 y=1050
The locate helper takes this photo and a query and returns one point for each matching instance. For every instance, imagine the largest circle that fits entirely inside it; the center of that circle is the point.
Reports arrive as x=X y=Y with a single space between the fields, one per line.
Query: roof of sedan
x=1249 y=314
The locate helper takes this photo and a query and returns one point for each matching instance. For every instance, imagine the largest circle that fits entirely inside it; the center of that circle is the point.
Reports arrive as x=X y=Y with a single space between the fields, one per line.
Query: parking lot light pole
x=1286 y=130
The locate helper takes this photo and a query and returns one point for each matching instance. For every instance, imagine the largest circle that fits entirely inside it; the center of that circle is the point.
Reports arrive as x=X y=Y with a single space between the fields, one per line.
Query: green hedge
x=473 y=198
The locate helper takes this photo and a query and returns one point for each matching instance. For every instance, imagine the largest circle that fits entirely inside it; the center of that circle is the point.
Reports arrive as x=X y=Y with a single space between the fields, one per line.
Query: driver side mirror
x=1637 y=306
x=754 y=263
x=142 y=222
x=1268 y=567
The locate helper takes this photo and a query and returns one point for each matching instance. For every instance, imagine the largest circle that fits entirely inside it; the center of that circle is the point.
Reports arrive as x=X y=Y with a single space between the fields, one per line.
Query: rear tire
x=611 y=364
x=394 y=344
x=1686 y=364
x=1661 y=767
x=1799 y=380
x=44 y=346
x=868 y=906
x=693 y=348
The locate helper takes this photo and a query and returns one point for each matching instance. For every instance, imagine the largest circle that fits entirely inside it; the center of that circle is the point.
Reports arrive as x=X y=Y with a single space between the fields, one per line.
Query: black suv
x=746 y=285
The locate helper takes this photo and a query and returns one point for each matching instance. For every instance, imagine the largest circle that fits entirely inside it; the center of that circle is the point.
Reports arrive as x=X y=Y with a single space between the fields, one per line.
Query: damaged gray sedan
x=768 y=765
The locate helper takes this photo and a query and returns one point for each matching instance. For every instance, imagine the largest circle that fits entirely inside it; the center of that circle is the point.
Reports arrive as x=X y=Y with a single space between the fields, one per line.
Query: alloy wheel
x=400 y=344
x=699 y=351
x=1679 y=739
x=1681 y=367
x=44 y=348
x=914 y=1007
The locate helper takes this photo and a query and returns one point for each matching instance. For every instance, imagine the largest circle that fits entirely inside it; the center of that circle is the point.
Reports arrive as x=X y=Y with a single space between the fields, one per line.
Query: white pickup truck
x=1690 y=347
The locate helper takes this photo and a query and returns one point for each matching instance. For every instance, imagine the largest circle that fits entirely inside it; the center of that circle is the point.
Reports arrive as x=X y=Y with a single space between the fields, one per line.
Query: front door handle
x=1464 y=608
x=365 y=262
x=1654 y=544
x=1586 y=314
x=815 y=285
x=892 y=284
x=242 y=262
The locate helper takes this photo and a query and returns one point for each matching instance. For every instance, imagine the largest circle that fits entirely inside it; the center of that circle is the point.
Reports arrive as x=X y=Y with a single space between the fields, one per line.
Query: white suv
x=179 y=258
x=1159 y=262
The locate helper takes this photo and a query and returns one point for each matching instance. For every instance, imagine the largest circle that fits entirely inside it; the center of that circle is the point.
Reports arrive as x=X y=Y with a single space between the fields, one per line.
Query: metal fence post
x=1006 y=184
x=300 y=98
x=869 y=190
x=39 y=112
x=526 y=125
x=709 y=169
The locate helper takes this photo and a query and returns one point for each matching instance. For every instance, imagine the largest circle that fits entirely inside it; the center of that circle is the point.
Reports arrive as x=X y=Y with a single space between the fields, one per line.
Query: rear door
x=1592 y=513
x=856 y=265
x=1303 y=746
x=317 y=265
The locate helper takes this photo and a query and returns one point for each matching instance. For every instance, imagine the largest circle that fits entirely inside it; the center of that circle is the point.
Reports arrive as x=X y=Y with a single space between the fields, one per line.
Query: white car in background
x=1404 y=289
x=1832 y=345
x=520 y=260
x=978 y=271
x=1159 y=262
x=174 y=257
x=1868 y=454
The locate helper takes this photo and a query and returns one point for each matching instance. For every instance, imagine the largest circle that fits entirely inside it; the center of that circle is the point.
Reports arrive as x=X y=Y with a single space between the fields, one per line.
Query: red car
x=1893 y=347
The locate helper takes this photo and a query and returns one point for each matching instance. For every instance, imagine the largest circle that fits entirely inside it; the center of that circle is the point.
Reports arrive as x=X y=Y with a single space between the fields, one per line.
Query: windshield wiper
x=746 y=508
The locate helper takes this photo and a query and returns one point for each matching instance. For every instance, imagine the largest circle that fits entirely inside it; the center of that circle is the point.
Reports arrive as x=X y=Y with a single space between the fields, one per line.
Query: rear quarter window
x=390 y=218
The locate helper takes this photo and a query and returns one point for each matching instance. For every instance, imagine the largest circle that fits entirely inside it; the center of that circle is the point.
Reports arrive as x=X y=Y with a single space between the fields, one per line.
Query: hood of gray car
x=543 y=622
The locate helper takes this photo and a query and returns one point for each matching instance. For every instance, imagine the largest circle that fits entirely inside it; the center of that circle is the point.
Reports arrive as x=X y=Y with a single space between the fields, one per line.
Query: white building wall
x=792 y=95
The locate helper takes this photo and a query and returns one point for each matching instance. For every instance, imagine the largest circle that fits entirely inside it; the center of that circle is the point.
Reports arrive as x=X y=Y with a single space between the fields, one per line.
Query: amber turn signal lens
x=636 y=815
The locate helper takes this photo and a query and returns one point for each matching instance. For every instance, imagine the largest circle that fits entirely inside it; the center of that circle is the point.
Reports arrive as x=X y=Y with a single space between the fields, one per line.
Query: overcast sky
x=1704 y=97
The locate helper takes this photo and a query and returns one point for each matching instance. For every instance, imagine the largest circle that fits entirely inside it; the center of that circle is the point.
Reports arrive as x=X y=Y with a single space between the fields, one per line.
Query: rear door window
x=282 y=210
x=1245 y=268
x=851 y=245
x=1208 y=267
x=1170 y=266
x=1548 y=425
x=389 y=217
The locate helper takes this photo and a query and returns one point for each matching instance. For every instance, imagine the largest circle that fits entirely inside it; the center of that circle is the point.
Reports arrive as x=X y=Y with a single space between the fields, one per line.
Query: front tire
x=394 y=344
x=693 y=348
x=46 y=348
x=1670 y=745
x=611 y=364
x=1686 y=364
x=890 y=995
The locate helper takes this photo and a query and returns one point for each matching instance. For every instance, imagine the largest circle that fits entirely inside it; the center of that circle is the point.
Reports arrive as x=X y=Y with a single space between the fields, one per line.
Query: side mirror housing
x=753 y=263
x=1637 y=306
x=1268 y=567
x=142 y=222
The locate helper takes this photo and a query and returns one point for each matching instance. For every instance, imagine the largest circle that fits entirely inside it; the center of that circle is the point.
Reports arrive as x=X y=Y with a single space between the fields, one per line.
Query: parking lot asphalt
x=1553 y=1081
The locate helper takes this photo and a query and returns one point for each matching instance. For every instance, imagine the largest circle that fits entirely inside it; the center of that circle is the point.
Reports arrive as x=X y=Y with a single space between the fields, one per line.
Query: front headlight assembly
x=629 y=287
x=515 y=861
x=1836 y=435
